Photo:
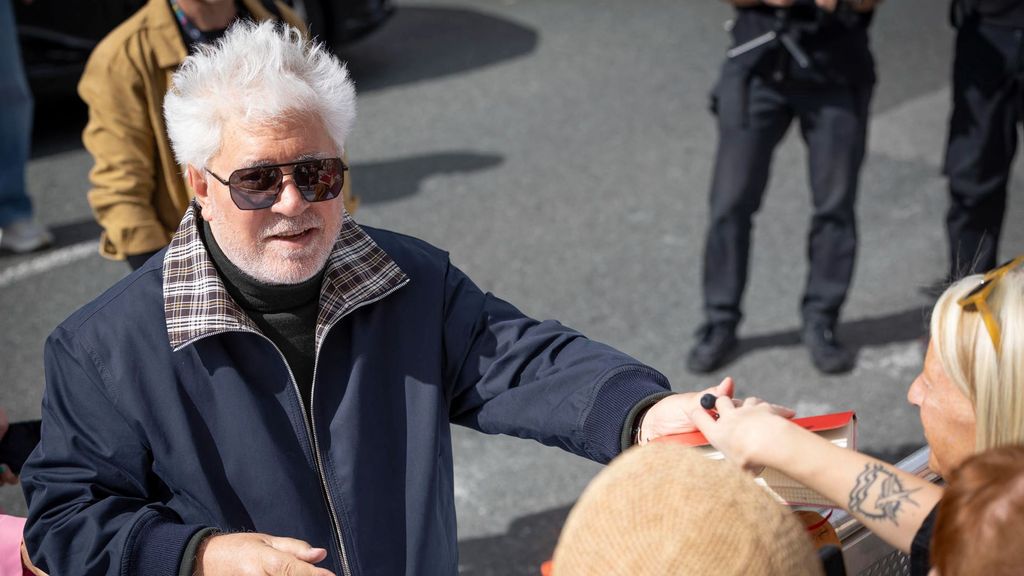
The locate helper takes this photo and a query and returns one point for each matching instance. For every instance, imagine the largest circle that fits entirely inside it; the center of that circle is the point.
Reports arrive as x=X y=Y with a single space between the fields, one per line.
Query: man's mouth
x=292 y=235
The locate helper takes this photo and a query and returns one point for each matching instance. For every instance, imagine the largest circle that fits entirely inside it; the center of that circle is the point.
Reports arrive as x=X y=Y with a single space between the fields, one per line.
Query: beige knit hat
x=663 y=510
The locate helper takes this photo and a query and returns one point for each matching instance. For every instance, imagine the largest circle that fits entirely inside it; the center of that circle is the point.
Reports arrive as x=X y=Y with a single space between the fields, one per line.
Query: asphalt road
x=561 y=151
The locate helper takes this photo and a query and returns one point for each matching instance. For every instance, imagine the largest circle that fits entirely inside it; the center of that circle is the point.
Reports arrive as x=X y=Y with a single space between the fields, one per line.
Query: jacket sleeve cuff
x=188 y=558
x=616 y=405
x=157 y=546
x=626 y=440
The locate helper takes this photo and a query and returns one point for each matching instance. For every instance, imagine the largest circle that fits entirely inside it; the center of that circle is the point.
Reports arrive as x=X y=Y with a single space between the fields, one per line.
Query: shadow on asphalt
x=64 y=235
x=416 y=44
x=75 y=232
x=378 y=182
x=905 y=326
x=528 y=542
x=423 y=43
x=57 y=125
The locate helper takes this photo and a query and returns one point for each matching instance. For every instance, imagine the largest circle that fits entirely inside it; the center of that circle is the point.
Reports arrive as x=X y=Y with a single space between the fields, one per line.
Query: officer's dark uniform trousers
x=753 y=115
x=988 y=92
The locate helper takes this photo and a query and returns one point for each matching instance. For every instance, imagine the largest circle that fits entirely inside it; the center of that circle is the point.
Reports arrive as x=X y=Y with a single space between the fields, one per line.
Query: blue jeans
x=15 y=122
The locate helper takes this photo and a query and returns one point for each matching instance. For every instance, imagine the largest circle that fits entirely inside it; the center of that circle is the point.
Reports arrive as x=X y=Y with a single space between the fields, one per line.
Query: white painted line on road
x=47 y=262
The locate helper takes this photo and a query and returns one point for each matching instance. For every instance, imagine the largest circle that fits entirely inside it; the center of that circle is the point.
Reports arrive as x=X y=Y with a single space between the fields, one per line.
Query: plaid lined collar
x=196 y=304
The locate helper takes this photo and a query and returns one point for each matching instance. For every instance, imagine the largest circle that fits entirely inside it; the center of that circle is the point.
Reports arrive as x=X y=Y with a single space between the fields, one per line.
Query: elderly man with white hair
x=274 y=394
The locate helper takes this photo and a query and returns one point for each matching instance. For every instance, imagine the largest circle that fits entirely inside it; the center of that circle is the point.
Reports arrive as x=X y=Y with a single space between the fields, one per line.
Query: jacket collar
x=168 y=46
x=196 y=303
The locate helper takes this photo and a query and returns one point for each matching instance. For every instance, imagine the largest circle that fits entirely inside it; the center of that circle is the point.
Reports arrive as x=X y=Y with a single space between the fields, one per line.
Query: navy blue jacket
x=150 y=436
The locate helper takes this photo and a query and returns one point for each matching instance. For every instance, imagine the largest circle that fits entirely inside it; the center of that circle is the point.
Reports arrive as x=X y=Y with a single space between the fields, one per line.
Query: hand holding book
x=751 y=434
x=810 y=461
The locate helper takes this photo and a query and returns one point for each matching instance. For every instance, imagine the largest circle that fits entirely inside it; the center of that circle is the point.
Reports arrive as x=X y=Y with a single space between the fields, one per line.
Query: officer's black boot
x=714 y=343
x=827 y=354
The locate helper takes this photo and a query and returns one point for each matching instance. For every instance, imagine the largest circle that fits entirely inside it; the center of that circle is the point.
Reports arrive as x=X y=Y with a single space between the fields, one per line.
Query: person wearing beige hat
x=662 y=510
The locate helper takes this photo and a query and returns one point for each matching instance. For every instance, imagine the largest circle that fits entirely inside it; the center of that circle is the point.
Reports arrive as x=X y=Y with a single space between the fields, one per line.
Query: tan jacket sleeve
x=120 y=137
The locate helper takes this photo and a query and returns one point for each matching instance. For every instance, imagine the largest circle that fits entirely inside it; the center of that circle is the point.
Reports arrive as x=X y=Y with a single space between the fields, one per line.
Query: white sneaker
x=23 y=236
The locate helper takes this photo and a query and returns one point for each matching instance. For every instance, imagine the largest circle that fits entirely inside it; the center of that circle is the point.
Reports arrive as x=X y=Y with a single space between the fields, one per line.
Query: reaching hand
x=671 y=415
x=250 y=554
x=747 y=434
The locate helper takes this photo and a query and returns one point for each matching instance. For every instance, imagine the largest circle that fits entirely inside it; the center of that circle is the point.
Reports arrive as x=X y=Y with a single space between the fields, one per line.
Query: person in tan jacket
x=138 y=192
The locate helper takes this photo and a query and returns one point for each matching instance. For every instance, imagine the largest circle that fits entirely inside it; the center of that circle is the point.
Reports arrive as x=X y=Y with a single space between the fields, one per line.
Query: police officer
x=807 y=60
x=988 y=72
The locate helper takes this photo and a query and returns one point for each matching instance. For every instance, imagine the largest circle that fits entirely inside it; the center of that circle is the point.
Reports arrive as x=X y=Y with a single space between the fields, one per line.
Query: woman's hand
x=674 y=414
x=751 y=434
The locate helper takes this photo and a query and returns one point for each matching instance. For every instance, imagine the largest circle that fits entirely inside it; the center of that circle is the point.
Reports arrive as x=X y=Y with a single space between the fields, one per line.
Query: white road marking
x=46 y=262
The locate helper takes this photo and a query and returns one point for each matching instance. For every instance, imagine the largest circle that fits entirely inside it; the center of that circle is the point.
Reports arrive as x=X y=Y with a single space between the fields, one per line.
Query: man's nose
x=290 y=202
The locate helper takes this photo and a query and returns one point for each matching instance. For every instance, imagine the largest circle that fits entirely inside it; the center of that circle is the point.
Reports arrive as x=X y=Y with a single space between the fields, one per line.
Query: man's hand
x=671 y=415
x=747 y=434
x=6 y=476
x=253 y=554
x=675 y=414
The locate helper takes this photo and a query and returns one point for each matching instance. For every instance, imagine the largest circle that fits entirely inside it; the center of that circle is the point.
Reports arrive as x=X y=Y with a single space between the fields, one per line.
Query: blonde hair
x=255 y=75
x=993 y=382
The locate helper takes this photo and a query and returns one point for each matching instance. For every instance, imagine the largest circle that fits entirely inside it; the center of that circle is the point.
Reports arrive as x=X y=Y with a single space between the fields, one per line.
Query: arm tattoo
x=878 y=494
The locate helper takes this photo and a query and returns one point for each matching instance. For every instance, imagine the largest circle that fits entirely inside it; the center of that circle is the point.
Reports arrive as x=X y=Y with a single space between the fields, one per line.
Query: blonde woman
x=970 y=395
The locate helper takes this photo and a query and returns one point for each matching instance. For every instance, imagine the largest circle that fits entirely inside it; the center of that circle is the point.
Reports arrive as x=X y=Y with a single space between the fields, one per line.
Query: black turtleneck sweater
x=286 y=313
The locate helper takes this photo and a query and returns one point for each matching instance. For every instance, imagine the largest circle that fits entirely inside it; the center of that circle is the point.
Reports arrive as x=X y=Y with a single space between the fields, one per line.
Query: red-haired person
x=981 y=517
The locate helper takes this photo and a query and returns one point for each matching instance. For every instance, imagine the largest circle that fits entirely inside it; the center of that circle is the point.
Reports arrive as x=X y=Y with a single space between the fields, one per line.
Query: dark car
x=57 y=35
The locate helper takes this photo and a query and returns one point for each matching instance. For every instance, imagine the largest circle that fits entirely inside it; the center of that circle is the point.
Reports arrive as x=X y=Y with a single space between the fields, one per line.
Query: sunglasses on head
x=258 y=187
x=977 y=299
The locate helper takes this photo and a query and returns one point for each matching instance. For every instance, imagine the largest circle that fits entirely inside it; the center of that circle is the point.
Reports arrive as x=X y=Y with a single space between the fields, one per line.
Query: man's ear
x=197 y=183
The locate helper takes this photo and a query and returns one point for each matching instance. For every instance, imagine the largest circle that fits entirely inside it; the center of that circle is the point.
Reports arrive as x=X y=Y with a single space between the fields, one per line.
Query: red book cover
x=840 y=429
x=820 y=423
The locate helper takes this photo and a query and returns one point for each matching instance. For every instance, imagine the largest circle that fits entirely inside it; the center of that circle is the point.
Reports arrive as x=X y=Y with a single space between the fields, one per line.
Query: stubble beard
x=272 y=265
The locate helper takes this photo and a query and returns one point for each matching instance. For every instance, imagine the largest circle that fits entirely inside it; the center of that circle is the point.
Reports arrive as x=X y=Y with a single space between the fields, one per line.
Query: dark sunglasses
x=977 y=299
x=258 y=187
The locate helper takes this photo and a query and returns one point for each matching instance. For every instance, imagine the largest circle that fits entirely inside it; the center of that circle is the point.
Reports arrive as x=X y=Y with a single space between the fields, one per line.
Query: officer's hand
x=778 y=3
x=827 y=5
x=253 y=554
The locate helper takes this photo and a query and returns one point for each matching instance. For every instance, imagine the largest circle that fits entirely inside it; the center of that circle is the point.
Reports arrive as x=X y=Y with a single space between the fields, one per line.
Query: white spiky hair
x=255 y=74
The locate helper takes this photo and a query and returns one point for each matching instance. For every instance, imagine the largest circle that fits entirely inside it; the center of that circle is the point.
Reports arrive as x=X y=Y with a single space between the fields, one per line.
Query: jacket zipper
x=311 y=431
x=312 y=419
x=309 y=419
